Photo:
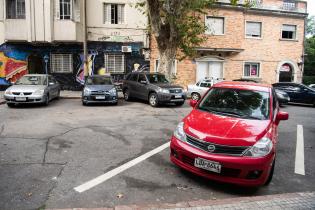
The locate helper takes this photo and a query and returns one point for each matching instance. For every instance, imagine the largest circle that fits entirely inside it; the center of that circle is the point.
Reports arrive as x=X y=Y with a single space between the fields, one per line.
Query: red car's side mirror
x=193 y=103
x=282 y=116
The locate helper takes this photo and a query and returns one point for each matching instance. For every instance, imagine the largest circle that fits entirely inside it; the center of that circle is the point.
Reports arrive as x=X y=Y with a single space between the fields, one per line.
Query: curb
x=207 y=204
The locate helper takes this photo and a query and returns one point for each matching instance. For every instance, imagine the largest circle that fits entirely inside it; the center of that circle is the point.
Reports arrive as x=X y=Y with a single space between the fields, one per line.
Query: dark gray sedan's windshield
x=32 y=80
x=157 y=78
x=99 y=81
x=237 y=103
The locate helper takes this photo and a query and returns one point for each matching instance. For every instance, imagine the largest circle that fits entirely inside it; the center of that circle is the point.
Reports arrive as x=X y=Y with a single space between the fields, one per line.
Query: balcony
x=298 y=7
x=15 y=30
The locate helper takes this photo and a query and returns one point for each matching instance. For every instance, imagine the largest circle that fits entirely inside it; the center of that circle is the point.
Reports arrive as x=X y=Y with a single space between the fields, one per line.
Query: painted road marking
x=299 y=153
x=102 y=178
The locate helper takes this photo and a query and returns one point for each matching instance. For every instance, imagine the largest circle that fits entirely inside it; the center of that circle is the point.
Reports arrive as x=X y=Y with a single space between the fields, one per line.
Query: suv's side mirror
x=193 y=103
x=143 y=82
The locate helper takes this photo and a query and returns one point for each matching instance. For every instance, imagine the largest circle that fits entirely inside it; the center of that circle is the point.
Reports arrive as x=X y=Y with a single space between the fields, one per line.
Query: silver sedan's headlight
x=8 y=92
x=179 y=132
x=163 y=90
x=86 y=91
x=113 y=91
x=39 y=92
x=262 y=148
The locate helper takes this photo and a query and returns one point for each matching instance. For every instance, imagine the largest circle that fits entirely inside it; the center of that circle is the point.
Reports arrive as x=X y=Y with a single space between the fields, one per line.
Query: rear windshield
x=237 y=103
x=32 y=80
x=99 y=81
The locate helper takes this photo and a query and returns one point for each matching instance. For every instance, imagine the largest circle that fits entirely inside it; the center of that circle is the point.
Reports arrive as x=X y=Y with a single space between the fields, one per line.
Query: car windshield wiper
x=229 y=113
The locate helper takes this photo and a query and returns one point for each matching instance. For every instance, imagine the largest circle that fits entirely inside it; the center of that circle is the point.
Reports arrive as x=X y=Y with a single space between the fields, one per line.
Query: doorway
x=286 y=73
x=35 y=64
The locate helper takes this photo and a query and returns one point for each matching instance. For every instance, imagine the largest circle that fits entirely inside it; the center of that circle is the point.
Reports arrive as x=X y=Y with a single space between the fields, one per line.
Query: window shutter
x=1 y=10
x=57 y=9
x=121 y=13
x=253 y=28
x=107 y=13
x=289 y=28
x=77 y=11
x=215 y=25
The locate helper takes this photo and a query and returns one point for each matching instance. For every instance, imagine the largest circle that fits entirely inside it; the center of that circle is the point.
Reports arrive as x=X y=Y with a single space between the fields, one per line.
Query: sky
x=311 y=7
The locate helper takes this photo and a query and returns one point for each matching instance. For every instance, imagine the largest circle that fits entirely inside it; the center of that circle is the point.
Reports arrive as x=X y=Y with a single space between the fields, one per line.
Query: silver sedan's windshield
x=32 y=80
x=237 y=103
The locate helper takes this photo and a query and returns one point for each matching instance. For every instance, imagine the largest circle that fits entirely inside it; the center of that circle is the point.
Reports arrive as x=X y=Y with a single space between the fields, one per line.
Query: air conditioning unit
x=126 y=49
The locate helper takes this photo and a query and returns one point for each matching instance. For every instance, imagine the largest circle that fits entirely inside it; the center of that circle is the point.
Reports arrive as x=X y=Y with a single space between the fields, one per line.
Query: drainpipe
x=85 y=50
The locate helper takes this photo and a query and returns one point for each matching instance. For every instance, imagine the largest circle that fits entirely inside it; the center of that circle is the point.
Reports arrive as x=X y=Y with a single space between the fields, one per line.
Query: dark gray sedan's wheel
x=195 y=96
x=153 y=100
x=126 y=95
x=58 y=95
x=84 y=103
x=11 y=105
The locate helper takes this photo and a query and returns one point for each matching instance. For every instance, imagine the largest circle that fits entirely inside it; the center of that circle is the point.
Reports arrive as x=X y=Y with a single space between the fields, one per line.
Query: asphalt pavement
x=46 y=152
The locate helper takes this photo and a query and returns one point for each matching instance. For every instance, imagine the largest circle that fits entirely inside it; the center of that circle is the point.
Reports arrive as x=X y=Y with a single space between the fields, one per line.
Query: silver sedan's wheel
x=46 y=100
x=153 y=100
x=195 y=96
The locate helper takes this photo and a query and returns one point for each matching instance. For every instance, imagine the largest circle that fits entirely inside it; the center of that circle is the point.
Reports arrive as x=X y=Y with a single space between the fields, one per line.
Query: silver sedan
x=32 y=88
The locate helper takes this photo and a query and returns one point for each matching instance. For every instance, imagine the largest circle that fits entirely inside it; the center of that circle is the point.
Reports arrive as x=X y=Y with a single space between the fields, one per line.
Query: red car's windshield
x=237 y=103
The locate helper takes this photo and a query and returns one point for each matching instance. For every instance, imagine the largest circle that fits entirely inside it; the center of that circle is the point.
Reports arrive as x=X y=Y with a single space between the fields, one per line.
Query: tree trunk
x=165 y=63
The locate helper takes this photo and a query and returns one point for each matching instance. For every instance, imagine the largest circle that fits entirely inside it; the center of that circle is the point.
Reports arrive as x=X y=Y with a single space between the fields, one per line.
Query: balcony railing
x=259 y=4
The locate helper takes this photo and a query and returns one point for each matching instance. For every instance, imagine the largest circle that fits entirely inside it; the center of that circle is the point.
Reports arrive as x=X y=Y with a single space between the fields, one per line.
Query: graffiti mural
x=14 y=60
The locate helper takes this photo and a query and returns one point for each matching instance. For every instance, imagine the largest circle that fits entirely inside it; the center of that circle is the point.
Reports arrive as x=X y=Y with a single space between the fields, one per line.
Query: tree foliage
x=309 y=67
x=310 y=28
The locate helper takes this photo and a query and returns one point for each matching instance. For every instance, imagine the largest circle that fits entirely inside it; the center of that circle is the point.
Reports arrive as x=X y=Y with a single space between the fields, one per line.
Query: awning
x=235 y=50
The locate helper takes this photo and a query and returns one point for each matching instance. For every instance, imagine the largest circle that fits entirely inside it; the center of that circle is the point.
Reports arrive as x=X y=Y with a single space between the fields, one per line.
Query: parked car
x=231 y=134
x=283 y=97
x=298 y=93
x=152 y=87
x=197 y=90
x=312 y=86
x=99 y=89
x=32 y=88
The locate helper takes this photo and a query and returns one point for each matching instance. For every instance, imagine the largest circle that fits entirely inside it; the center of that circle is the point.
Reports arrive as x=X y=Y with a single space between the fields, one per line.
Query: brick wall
x=269 y=50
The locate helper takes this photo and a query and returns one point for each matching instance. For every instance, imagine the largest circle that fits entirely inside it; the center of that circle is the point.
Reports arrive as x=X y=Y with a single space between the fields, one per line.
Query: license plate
x=20 y=99
x=178 y=96
x=208 y=165
x=99 y=97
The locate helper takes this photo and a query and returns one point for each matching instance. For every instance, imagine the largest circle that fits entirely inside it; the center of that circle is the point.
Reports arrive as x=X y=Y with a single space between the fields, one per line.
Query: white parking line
x=102 y=178
x=299 y=153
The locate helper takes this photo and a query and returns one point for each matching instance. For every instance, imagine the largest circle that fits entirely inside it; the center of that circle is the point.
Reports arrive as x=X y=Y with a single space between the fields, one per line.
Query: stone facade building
x=263 y=42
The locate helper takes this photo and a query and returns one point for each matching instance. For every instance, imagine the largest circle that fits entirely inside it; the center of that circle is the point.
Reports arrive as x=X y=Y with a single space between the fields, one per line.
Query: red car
x=231 y=134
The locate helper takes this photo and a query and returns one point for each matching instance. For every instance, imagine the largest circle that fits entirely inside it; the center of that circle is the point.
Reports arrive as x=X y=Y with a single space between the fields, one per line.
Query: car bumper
x=171 y=98
x=24 y=99
x=234 y=169
x=94 y=99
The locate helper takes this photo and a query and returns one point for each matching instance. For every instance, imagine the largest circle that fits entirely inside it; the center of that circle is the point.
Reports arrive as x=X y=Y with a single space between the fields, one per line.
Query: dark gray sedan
x=99 y=89
x=32 y=88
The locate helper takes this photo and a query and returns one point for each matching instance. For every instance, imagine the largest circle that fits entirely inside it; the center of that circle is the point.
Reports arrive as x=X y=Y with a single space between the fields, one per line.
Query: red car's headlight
x=262 y=148
x=179 y=132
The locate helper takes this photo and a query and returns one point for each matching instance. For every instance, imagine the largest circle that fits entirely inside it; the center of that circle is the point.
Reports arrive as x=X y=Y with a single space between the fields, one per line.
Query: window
x=61 y=63
x=142 y=78
x=288 y=31
x=173 y=66
x=253 y=29
x=115 y=63
x=251 y=70
x=214 y=25
x=65 y=9
x=15 y=9
x=114 y=13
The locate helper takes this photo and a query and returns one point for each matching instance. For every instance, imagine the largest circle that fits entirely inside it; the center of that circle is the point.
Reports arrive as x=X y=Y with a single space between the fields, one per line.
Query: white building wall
x=134 y=28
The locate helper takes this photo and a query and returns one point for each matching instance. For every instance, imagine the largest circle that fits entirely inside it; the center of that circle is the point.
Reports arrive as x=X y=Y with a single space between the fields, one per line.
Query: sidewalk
x=305 y=200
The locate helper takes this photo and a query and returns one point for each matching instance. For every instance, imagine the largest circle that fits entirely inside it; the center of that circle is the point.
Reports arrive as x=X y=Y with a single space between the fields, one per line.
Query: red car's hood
x=224 y=129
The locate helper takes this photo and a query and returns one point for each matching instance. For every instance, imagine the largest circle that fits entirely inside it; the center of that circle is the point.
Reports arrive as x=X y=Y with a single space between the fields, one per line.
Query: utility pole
x=85 y=50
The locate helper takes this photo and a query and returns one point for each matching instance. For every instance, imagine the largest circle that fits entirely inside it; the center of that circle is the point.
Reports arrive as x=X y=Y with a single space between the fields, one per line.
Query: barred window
x=115 y=63
x=15 y=9
x=61 y=63
x=114 y=13
x=65 y=9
